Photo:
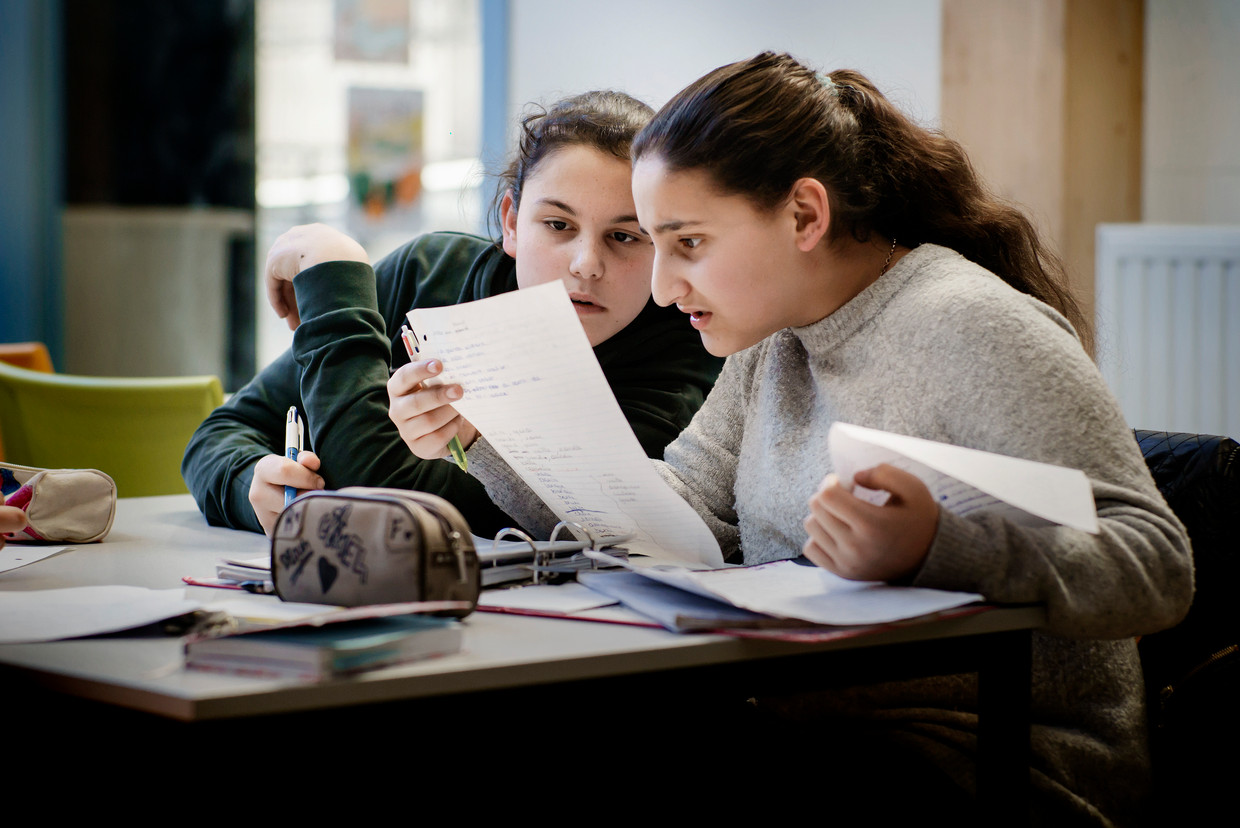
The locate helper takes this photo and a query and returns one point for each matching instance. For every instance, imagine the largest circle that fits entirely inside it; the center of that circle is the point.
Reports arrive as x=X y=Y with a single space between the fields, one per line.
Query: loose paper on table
x=789 y=590
x=17 y=555
x=51 y=614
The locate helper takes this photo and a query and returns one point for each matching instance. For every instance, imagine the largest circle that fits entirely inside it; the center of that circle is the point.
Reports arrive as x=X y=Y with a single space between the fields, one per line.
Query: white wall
x=652 y=48
x=1191 y=154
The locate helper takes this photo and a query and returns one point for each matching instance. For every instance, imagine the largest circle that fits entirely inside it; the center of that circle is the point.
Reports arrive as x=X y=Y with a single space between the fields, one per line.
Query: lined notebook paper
x=534 y=388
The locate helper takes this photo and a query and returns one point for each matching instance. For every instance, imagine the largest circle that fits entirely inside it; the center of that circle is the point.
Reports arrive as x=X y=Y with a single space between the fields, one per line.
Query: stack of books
x=317 y=652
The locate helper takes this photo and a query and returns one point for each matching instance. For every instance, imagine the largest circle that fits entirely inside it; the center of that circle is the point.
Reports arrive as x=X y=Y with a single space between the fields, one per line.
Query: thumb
x=886 y=477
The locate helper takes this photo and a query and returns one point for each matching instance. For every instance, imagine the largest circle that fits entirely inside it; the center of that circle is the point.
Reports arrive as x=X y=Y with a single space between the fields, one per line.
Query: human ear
x=508 y=223
x=812 y=210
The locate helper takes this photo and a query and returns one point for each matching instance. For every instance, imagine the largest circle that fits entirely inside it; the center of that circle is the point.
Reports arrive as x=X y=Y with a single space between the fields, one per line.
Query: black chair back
x=1192 y=671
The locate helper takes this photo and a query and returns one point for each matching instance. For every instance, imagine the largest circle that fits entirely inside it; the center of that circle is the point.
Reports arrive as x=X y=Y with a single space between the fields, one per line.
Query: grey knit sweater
x=940 y=348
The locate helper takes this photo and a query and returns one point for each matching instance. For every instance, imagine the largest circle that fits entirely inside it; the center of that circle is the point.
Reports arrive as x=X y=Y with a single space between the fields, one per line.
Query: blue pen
x=293 y=436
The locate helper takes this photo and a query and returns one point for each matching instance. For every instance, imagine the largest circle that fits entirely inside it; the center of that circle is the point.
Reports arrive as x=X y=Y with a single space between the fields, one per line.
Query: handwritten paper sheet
x=965 y=480
x=534 y=388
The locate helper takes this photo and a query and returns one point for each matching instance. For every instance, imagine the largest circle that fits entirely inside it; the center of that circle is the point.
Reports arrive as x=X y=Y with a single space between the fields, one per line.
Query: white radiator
x=1168 y=316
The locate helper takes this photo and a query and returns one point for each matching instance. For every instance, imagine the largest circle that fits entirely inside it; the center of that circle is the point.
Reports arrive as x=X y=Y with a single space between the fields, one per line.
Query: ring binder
x=512 y=561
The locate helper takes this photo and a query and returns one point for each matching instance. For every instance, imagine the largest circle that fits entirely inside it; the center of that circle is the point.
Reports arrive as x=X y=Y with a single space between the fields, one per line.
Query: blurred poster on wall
x=372 y=30
x=385 y=148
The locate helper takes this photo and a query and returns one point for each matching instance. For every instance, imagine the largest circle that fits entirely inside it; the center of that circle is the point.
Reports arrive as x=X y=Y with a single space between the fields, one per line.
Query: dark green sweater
x=345 y=348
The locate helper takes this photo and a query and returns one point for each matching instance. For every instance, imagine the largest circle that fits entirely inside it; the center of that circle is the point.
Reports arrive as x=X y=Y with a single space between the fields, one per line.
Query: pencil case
x=359 y=546
x=61 y=505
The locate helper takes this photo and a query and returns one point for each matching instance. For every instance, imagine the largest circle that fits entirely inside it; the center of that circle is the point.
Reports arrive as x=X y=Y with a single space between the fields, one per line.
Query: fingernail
x=454 y=393
x=434 y=366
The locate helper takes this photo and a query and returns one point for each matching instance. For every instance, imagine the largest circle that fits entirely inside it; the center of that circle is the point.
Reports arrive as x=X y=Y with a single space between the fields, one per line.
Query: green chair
x=135 y=429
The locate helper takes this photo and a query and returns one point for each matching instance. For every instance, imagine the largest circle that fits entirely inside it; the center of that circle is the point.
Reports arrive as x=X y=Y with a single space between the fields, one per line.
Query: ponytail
x=760 y=125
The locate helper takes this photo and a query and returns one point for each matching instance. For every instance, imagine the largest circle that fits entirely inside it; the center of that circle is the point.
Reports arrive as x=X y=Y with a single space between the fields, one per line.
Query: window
x=369 y=119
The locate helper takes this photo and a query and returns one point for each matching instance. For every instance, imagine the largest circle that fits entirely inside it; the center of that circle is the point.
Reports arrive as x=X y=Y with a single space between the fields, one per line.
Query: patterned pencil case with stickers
x=360 y=546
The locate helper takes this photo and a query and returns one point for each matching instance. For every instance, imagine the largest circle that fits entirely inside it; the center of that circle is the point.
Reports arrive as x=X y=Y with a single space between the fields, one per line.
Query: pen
x=454 y=445
x=293 y=436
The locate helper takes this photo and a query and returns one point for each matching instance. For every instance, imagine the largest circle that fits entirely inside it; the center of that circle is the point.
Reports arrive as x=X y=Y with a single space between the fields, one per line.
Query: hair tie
x=825 y=80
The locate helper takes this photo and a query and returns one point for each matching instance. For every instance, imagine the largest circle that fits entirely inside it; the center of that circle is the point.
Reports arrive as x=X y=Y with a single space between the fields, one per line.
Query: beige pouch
x=61 y=505
x=359 y=546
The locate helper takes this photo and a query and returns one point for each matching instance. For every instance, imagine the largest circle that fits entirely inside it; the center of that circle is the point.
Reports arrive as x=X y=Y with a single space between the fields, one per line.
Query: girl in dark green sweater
x=566 y=213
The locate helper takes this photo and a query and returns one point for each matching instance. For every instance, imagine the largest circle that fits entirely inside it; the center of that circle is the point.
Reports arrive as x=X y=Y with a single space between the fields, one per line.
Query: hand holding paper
x=423 y=413
x=533 y=386
x=864 y=541
x=965 y=480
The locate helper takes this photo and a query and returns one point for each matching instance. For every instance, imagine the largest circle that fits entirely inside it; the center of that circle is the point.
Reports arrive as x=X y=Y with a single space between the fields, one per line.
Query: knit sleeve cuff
x=508 y=491
x=957 y=556
x=334 y=285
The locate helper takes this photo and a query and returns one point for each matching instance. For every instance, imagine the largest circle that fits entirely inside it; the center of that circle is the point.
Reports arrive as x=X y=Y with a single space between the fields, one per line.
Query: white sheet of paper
x=258 y=562
x=52 y=614
x=262 y=610
x=566 y=598
x=809 y=593
x=966 y=480
x=15 y=555
x=534 y=388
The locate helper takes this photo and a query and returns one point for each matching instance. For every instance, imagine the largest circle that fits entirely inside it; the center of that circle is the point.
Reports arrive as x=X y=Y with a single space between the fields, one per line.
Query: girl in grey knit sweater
x=851 y=267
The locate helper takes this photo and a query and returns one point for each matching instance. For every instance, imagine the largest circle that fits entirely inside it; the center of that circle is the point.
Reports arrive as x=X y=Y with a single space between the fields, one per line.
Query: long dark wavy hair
x=759 y=125
x=605 y=120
